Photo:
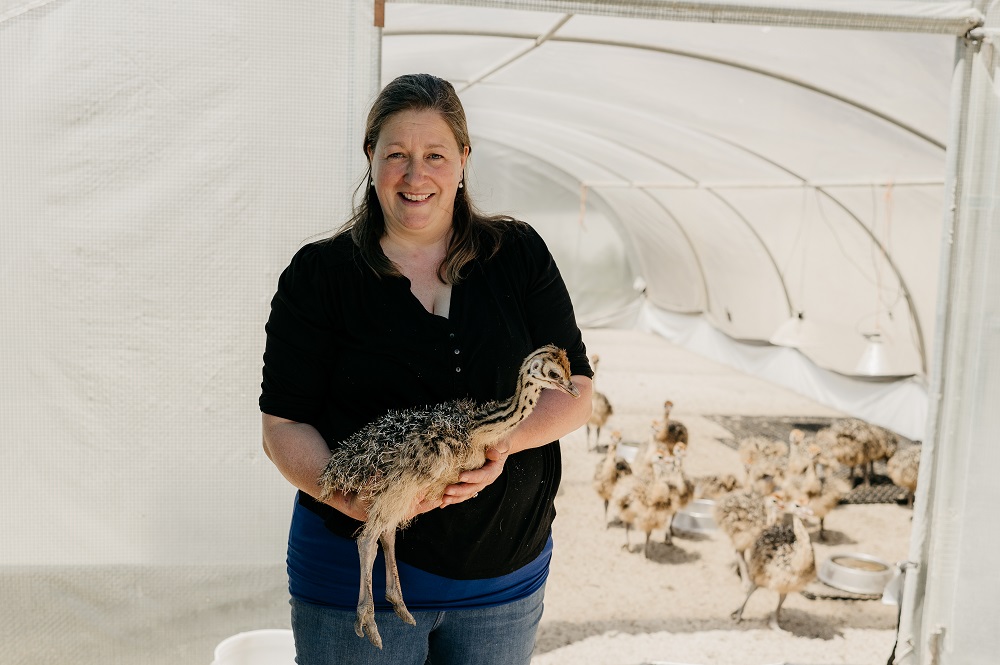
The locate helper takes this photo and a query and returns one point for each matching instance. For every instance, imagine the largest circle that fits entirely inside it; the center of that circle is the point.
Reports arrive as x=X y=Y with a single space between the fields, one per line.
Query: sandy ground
x=607 y=605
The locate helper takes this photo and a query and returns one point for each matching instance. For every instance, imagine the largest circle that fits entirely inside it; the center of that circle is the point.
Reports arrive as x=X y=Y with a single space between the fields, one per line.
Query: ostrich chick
x=781 y=559
x=714 y=486
x=668 y=433
x=601 y=408
x=670 y=491
x=742 y=515
x=609 y=470
x=804 y=485
x=881 y=444
x=405 y=456
x=764 y=461
x=904 y=467
x=855 y=444
x=629 y=496
x=648 y=500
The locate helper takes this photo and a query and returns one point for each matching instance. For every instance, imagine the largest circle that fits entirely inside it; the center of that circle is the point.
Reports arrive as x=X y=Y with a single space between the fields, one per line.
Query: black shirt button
x=458 y=369
x=451 y=335
x=457 y=351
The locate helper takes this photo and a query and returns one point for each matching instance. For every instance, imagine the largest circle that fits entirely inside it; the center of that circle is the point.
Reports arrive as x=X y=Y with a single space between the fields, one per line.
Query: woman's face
x=416 y=167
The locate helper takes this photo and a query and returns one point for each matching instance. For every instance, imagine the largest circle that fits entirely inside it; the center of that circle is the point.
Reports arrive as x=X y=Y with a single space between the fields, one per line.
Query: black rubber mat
x=880 y=488
x=775 y=427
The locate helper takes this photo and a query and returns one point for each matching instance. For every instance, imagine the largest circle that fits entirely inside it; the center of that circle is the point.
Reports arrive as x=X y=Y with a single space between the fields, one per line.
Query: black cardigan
x=344 y=346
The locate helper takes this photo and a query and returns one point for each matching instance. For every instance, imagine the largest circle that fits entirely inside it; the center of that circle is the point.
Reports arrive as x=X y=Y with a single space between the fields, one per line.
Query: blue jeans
x=501 y=635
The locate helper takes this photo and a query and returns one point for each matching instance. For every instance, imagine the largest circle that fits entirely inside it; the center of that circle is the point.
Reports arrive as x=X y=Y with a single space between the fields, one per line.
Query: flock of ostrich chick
x=771 y=514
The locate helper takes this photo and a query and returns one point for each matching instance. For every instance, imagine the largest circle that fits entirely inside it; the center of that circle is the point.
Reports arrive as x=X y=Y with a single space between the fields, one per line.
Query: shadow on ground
x=794 y=622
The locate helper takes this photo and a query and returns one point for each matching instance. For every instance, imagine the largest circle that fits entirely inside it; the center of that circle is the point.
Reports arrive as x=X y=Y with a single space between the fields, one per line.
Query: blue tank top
x=323 y=569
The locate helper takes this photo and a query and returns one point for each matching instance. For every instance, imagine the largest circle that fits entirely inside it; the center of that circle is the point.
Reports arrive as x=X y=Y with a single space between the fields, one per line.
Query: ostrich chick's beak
x=568 y=388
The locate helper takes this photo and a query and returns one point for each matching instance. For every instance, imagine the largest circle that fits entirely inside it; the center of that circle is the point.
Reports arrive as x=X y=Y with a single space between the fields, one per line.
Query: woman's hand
x=421 y=505
x=470 y=483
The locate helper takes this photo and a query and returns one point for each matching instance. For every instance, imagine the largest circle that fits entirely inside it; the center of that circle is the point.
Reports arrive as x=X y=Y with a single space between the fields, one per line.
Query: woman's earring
x=461 y=185
x=371 y=183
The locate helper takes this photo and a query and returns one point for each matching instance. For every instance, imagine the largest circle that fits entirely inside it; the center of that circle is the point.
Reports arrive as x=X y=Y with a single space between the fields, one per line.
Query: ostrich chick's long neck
x=803 y=554
x=498 y=418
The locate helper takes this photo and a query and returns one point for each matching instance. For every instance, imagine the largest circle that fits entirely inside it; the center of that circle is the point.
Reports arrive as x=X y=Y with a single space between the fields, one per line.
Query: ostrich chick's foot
x=773 y=621
x=365 y=625
x=403 y=613
x=737 y=616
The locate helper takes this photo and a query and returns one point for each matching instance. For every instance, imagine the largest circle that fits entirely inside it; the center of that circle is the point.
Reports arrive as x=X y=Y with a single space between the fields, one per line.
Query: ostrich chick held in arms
x=407 y=456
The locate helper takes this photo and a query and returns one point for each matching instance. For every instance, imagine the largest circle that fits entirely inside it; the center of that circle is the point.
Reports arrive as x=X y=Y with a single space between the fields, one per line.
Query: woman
x=420 y=299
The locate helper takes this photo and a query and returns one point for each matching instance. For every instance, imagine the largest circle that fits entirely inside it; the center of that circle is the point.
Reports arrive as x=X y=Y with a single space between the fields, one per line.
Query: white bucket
x=271 y=646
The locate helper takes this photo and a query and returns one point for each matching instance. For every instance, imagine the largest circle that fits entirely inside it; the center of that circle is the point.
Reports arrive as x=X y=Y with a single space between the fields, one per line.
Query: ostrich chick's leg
x=738 y=614
x=743 y=571
x=773 y=623
x=365 y=623
x=393 y=590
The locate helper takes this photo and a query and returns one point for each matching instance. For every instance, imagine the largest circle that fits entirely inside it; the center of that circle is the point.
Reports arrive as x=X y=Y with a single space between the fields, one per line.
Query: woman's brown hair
x=473 y=233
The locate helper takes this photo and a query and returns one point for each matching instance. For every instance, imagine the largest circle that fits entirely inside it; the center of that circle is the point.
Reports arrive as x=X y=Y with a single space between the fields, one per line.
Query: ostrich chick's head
x=549 y=367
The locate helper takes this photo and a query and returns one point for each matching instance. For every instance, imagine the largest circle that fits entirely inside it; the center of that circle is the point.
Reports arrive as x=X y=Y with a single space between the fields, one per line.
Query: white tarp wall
x=159 y=164
x=951 y=596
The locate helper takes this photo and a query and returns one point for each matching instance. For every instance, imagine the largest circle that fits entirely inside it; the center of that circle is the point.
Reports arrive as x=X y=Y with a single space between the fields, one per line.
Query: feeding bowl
x=628 y=451
x=696 y=517
x=269 y=646
x=856 y=573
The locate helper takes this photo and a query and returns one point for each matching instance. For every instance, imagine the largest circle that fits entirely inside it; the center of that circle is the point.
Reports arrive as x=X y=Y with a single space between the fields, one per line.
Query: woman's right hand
x=421 y=505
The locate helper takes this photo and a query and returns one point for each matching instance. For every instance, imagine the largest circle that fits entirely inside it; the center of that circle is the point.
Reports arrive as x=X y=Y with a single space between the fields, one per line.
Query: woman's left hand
x=470 y=483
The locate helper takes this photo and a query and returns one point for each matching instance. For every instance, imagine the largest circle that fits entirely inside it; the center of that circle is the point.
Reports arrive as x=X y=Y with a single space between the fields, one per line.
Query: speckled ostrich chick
x=609 y=471
x=904 y=468
x=781 y=559
x=669 y=433
x=405 y=456
x=601 y=408
x=764 y=462
x=742 y=515
x=855 y=444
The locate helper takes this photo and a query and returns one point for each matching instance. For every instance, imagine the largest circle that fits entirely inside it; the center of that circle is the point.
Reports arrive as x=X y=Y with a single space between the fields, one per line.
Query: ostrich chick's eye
x=553 y=374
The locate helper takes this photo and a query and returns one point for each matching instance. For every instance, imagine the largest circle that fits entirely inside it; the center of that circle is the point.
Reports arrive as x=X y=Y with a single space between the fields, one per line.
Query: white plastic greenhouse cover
x=766 y=183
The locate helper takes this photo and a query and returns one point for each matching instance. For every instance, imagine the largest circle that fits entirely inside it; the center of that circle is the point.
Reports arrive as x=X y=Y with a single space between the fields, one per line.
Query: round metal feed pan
x=628 y=450
x=696 y=517
x=857 y=573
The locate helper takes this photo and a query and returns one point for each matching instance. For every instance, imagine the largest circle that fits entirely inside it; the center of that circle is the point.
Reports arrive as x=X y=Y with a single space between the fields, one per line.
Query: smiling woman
x=419 y=299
